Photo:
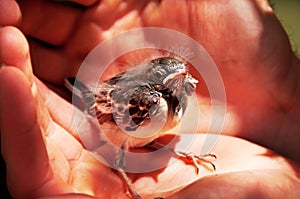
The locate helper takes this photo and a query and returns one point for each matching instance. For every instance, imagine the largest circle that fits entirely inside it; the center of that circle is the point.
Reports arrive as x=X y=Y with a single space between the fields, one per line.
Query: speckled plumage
x=154 y=93
x=132 y=98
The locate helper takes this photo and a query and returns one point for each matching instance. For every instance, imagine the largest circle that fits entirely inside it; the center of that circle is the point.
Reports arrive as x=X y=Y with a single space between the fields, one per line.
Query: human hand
x=45 y=158
x=280 y=173
x=244 y=38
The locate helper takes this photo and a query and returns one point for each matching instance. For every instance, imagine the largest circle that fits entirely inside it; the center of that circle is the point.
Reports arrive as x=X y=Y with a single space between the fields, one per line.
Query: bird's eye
x=158 y=74
x=158 y=87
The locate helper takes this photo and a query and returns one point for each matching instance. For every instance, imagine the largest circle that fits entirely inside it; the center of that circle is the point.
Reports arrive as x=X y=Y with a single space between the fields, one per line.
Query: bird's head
x=173 y=74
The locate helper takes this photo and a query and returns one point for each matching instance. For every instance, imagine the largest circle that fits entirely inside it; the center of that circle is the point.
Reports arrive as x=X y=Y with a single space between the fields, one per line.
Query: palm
x=64 y=166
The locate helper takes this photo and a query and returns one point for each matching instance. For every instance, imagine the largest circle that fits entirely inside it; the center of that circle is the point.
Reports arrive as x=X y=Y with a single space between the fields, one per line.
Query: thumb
x=22 y=143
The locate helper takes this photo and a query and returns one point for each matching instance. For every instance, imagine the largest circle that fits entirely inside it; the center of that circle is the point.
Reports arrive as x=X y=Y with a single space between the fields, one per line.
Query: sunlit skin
x=39 y=141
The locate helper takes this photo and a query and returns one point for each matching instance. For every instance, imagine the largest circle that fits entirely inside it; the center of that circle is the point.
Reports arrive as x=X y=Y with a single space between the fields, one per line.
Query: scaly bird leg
x=120 y=163
x=186 y=155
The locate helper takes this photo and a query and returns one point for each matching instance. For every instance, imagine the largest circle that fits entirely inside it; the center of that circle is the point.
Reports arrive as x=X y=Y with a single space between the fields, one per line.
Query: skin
x=244 y=38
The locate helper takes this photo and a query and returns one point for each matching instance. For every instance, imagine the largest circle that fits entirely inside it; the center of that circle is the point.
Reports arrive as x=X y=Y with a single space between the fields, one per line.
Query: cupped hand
x=244 y=38
x=43 y=154
x=45 y=157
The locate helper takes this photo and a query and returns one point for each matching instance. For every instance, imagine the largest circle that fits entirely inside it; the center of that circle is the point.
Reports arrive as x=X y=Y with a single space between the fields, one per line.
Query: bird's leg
x=120 y=163
x=196 y=159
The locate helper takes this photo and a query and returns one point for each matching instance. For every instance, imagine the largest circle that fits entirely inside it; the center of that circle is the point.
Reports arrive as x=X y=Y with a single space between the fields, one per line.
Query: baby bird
x=135 y=107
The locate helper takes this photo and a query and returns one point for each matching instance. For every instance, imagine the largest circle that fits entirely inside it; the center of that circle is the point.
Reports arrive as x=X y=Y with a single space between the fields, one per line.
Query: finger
x=233 y=155
x=257 y=184
x=10 y=13
x=14 y=50
x=50 y=22
x=81 y=2
x=69 y=196
x=22 y=143
x=67 y=116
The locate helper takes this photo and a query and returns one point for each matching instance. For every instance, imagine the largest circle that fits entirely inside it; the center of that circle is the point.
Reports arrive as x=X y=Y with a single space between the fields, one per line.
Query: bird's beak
x=192 y=80
x=179 y=72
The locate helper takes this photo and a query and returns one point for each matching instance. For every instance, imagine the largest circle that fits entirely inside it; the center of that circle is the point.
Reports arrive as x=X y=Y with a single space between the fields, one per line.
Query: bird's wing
x=125 y=98
x=132 y=106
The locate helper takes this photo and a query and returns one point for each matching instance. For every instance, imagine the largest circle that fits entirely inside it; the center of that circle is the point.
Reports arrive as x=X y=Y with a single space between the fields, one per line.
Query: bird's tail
x=81 y=91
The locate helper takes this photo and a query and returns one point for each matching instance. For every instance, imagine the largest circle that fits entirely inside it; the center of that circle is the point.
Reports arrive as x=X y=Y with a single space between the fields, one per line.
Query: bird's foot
x=197 y=159
x=187 y=156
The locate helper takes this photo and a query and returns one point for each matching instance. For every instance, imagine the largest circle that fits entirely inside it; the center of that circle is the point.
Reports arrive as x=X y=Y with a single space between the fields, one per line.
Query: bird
x=135 y=107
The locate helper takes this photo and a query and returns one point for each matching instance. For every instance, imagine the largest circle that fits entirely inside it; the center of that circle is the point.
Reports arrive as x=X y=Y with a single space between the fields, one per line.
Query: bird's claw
x=197 y=158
